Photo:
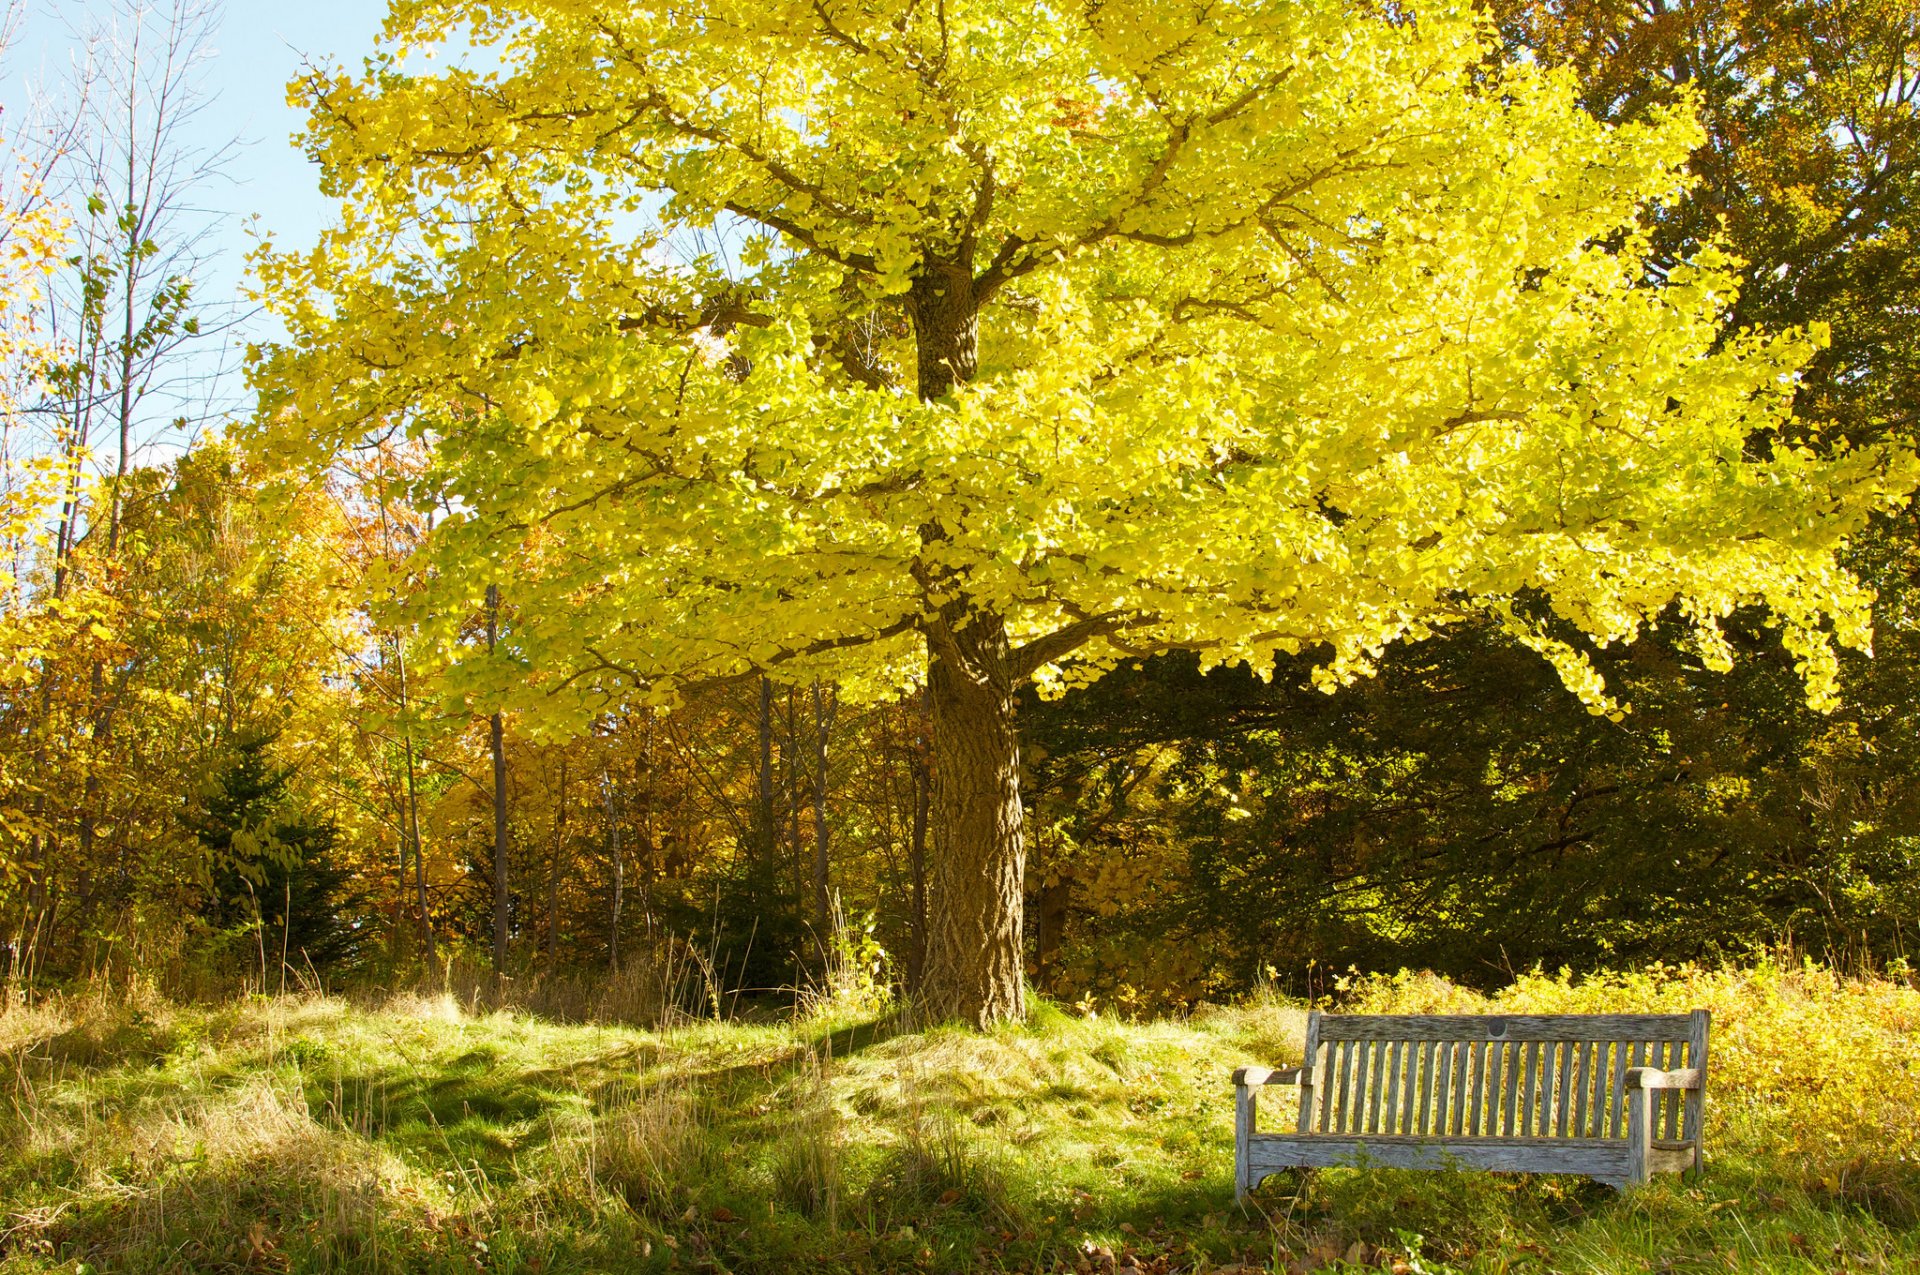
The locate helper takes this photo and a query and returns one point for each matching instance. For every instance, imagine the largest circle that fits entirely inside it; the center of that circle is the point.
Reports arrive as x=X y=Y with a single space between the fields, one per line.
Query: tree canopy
x=1030 y=340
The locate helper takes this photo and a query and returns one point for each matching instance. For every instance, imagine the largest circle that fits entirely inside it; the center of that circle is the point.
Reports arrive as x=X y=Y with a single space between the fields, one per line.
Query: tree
x=1451 y=815
x=1056 y=337
x=1810 y=162
x=271 y=869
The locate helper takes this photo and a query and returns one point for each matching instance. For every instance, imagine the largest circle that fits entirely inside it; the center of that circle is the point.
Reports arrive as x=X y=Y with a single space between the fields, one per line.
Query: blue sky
x=260 y=45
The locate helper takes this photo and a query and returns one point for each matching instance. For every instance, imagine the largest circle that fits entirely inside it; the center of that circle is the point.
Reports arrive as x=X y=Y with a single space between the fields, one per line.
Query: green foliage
x=1461 y=813
x=274 y=879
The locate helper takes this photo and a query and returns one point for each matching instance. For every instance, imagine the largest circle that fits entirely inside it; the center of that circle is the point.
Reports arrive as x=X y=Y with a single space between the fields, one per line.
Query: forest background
x=222 y=757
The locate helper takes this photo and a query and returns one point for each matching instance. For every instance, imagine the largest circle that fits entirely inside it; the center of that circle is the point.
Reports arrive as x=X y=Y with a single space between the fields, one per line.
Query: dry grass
x=427 y=1133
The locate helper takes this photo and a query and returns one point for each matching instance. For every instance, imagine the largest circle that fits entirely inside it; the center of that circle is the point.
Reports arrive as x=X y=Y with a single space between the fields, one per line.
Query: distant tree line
x=228 y=752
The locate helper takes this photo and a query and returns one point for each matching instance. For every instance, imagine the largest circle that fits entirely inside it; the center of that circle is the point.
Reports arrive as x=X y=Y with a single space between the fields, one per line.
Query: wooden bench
x=1614 y=1097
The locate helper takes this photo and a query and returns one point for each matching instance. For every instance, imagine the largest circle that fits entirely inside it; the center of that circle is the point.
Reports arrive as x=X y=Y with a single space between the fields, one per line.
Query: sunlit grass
x=313 y=1134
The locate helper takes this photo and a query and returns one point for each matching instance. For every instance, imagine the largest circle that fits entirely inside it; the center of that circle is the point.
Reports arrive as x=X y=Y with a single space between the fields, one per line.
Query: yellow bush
x=1812 y=1074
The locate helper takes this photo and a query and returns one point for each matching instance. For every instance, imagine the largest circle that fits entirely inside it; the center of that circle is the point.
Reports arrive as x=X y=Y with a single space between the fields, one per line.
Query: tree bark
x=413 y=806
x=824 y=703
x=765 y=830
x=975 y=946
x=497 y=741
x=619 y=868
x=553 y=869
x=975 y=950
x=921 y=768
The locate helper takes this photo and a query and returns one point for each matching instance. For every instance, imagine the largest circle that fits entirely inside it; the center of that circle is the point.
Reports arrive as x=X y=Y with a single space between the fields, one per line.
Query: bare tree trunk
x=920 y=762
x=765 y=836
x=497 y=739
x=793 y=775
x=619 y=868
x=825 y=702
x=553 y=869
x=413 y=808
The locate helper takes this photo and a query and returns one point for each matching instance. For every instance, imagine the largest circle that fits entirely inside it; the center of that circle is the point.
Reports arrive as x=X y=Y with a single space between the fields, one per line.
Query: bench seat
x=1603 y=1159
x=1611 y=1097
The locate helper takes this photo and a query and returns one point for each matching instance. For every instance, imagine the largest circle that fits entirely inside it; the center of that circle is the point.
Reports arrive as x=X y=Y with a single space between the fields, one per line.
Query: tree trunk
x=765 y=834
x=824 y=703
x=619 y=869
x=553 y=869
x=1055 y=902
x=921 y=768
x=413 y=808
x=497 y=740
x=975 y=949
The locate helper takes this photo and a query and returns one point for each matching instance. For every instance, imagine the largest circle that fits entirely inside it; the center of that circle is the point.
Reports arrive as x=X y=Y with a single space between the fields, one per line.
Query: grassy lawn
x=321 y=1134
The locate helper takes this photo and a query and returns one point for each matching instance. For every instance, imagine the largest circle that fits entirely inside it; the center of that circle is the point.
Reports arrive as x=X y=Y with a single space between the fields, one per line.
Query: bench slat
x=1644 y=1027
x=1510 y=1089
x=1530 y=1073
x=1462 y=1074
x=1582 y=1080
x=1392 y=1087
x=1479 y=1089
x=1563 y=1086
x=1600 y=1158
x=1341 y=1087
x=1407 y=1088
x=1382 y=1052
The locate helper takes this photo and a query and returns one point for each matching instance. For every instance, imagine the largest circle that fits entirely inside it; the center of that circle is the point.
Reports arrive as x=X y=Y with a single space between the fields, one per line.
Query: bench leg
x=1639 y=1135
x=1245 y=1109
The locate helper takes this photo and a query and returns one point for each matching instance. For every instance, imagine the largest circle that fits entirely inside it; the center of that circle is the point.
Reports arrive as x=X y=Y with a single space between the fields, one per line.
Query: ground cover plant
x=315 y=1133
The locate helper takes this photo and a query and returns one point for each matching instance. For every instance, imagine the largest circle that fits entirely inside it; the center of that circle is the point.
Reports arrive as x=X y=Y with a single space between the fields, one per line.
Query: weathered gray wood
x=1463 y=1089
x=1312 y=1061
x=1363 y=1055
x=1602 y=1158
x=1639 y=1135
x=1244 y=1121
x=1616 y=1098
x=1563 y=1086
x=1582 y=1088
x=1675 y=1103
x=1693 y=1127
x=1505 y=1027
x=1408 y=1085
x=1530 y=1076
x=1638 y=1053
x=1427 y=1087
x=1476 y=1085
x=1617 y=1089
x=1656 y=1079
x=1392 y=1104
x=1330 y=1104
x=1510 y=1089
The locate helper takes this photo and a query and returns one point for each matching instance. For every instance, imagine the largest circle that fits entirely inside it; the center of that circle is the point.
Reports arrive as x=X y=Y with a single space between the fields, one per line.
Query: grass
x=318 y=1134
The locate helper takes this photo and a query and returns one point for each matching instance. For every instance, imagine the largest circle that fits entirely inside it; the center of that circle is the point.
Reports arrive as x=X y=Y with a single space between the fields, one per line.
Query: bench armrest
x=1271 y=1076
x=1654 y=1078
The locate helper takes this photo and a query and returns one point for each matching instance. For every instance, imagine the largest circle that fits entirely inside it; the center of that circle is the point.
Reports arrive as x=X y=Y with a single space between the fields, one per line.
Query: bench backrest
x=1495 y=1076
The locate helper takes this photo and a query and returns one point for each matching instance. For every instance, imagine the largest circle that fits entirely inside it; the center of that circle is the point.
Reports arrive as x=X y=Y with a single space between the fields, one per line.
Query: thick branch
x=1029 y=659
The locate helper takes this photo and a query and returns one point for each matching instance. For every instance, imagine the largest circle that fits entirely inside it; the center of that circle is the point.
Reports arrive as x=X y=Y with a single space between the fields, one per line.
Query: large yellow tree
x=1025 y=338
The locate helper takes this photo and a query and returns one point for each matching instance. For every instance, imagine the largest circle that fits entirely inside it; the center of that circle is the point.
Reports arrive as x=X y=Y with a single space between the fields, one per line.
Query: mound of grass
x=311 y=1134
